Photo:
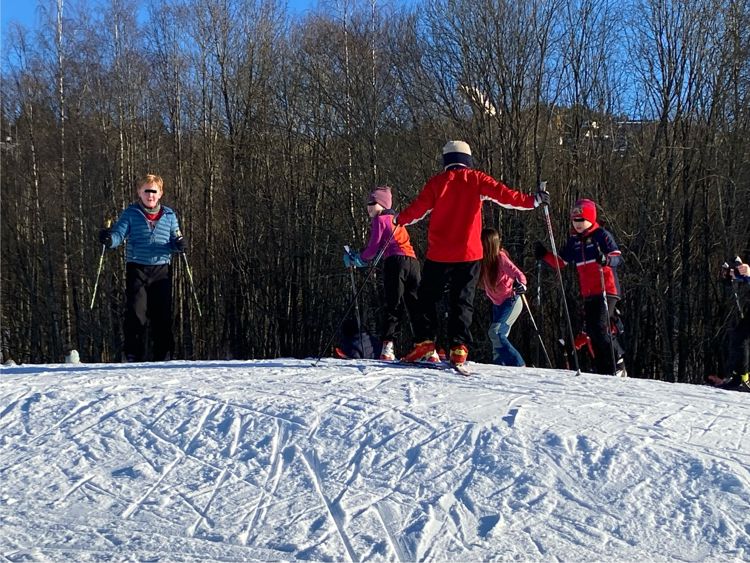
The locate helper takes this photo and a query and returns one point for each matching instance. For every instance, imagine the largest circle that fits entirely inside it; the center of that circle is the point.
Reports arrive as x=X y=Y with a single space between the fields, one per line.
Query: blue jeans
x=503 y=317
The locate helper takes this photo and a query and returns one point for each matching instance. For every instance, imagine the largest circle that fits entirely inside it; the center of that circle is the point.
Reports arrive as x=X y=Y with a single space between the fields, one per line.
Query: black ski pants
x=148 y=294
x=461 y=278
x=598 y=329
x=739 y=346
x=401 y=276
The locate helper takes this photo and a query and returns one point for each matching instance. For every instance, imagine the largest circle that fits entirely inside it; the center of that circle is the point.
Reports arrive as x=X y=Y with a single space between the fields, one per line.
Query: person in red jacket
x=453 y=199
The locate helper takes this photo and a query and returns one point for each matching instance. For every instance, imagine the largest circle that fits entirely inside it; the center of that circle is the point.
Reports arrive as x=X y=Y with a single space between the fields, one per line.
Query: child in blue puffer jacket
x=153 y=235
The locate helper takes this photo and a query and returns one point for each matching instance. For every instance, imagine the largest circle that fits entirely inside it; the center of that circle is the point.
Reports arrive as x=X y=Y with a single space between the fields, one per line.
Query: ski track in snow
x=362 y=461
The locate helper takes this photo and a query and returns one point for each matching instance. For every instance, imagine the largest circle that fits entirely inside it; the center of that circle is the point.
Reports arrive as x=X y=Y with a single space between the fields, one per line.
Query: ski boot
x=459 y=354
x=422 y=352
x=387 y=351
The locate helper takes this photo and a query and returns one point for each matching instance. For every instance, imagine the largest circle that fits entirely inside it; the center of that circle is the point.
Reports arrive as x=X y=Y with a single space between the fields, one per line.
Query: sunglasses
x=372 y=203
x=151 y=191
x=578 y=220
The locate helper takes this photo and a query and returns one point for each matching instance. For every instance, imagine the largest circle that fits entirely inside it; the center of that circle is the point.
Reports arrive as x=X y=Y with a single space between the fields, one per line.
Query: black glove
x=541 y=198
x=540 y=251
x=518 y=287
x=105 y=237
x=180 y=245
x=726 y=274
x=602 y=259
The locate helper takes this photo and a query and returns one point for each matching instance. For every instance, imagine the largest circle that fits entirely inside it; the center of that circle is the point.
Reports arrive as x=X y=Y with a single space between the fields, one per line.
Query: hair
x=492 y=245
x=151 y=179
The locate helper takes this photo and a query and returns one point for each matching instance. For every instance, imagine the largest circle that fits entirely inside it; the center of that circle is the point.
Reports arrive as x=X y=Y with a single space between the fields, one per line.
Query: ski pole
x=107 y=224
x=543 y=187
x=608 y=326
x=737 y=299
x=727 y=272
x=354 y=289
x=356 y=295
x=539 y=283
x=356 y=302
x=737 y=263
x=192 y=285
x=539 y=295
x=536 y=328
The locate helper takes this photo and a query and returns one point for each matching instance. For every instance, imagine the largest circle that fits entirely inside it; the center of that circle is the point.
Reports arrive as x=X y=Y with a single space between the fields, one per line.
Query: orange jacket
x=454 y=198
x=380 y=232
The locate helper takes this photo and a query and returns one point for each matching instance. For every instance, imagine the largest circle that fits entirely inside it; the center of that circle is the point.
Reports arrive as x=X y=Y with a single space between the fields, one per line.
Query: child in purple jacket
x=401 y=271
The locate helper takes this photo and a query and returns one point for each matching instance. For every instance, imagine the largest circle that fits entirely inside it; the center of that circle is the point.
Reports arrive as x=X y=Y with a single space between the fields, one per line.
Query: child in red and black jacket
x=453 y=199
x=594 y=252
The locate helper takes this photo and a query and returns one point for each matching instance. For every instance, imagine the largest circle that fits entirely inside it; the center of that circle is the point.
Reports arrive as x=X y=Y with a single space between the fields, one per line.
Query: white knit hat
x=457 y=154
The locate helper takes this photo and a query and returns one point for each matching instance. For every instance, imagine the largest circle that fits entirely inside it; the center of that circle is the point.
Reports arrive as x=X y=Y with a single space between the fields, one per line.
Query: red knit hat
x=584 y=209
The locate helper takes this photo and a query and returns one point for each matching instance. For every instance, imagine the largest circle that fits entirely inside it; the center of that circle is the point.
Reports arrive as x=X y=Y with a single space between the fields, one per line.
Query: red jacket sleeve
x=554 y=261
x=420 y=207
x=497 y=192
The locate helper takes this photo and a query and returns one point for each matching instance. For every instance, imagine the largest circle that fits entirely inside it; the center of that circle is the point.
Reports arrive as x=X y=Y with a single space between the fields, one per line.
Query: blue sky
x=25 y=11
x=21 y=12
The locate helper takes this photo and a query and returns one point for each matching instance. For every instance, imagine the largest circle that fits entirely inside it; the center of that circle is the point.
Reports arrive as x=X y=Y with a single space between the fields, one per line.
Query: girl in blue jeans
x=503 y=282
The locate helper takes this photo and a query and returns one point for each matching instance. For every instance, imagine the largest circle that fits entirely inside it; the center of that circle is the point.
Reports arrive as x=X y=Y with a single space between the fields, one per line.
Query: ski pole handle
x=542 y=195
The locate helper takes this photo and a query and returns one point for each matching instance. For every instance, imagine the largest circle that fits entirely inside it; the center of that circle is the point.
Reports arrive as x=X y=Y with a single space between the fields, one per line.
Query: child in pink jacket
x=503 y=282
x=401 y=271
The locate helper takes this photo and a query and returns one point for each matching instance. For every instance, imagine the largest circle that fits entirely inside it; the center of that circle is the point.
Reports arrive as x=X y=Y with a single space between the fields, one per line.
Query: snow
x=366 y=461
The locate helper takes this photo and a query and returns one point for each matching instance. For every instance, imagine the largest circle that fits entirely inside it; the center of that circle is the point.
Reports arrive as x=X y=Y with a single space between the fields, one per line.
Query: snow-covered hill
x=364 y=461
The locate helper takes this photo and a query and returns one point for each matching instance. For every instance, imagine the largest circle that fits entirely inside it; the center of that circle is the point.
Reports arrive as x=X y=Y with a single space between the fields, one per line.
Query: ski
x=441 y=365
x=460 y=368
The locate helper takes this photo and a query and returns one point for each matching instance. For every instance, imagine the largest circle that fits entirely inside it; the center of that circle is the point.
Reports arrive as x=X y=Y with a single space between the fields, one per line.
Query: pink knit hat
x=381 y=195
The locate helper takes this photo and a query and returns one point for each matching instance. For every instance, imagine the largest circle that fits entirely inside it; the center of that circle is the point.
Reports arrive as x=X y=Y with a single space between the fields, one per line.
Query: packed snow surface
x=366 y=461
